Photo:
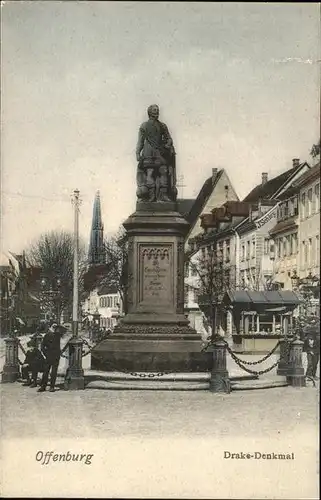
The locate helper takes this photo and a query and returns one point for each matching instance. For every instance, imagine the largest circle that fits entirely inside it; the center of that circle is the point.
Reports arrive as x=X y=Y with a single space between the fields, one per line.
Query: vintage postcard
x=160 y=250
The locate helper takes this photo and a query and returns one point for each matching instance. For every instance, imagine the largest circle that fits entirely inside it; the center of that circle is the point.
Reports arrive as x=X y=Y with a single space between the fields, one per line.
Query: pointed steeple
x=96 y=253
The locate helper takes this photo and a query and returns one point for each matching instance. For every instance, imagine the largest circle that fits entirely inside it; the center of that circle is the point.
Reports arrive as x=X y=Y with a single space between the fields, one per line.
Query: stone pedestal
x=74 y=379
x=155 y=334
x=11 y=367
x=219 y=381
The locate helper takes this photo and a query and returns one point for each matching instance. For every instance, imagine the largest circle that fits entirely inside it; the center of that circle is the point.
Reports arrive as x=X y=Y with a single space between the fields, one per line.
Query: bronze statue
x=155 y=153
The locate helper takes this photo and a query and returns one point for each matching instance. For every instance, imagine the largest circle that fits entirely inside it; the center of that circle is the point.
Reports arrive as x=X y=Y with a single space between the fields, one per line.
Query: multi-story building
x=216 y=190
x=309 y=223
x=106 y=302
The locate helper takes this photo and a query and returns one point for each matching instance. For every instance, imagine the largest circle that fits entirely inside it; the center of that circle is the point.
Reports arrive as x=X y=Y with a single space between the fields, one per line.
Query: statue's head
x=153 y=111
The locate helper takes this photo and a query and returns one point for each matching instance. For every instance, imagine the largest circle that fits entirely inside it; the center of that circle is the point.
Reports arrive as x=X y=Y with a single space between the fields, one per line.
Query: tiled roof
x=314 y=172
x=271 y=187
x=284 y=225
x=203 y=195
x=184 y=206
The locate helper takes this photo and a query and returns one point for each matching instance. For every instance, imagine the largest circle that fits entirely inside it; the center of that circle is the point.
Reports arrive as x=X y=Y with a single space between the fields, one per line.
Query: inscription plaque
x=157 y=276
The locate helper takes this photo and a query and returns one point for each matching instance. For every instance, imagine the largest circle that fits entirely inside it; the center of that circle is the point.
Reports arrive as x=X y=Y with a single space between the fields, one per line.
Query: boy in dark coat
x=34 y=363
x=51 y=350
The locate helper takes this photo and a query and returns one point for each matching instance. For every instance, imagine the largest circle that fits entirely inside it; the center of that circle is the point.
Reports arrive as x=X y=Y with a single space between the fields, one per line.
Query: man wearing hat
x=51 y=349
x=34 y=363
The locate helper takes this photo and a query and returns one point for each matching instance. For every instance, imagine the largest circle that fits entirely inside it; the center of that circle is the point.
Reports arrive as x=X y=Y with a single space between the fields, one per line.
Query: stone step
x=148 y=385
x=248 y=385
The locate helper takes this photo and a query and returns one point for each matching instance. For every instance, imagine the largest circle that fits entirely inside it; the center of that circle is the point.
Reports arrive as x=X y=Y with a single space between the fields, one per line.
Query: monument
x=154 y=335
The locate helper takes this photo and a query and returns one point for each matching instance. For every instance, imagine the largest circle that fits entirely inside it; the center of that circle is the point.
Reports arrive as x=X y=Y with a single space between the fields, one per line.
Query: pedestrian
x=33 y=364
x=309 y=349
x=316 y=354
x=51 y=349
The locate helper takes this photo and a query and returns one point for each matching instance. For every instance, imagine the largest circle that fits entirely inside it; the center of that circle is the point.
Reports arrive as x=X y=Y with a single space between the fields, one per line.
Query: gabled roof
x=308 y=176
x=203 y=196
x=274 y=186
x=184 y=206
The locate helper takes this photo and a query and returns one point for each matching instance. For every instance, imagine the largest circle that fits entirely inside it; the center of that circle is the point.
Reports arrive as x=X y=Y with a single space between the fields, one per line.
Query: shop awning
x=268 y=299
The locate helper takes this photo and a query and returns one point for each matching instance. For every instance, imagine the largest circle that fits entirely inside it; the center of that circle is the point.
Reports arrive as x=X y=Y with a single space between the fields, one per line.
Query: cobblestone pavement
x=160 y=444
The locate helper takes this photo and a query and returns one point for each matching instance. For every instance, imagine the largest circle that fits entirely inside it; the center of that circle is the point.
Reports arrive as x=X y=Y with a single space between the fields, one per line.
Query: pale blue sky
x=237 y=85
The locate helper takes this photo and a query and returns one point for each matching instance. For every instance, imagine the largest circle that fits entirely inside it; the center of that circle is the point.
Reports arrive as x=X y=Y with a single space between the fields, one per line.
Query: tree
x=315 y=151
x=53 y=252
x=116 y=268
x=213 y=280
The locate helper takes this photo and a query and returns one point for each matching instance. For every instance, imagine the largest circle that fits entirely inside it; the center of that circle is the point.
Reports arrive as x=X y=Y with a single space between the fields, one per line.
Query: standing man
x=155 y=153
x=51 y=349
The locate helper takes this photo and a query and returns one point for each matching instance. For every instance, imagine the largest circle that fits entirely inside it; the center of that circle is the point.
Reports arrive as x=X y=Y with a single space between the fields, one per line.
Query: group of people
x=43 y=359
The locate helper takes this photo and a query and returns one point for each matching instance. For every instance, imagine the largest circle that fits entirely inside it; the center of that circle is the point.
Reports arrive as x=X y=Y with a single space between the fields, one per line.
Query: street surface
x=160 y=444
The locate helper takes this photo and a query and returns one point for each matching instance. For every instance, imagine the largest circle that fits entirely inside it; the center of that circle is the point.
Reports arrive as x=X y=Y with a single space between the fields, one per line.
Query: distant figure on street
x=33 y=364
x=51 y=349
x=312 y=349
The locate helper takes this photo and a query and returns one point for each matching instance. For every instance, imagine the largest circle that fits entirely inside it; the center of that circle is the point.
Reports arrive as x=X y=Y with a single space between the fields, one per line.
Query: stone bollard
x=219 y=381
x=283 y=365
x=74 y=379
x=11 y=369
x=296 y=376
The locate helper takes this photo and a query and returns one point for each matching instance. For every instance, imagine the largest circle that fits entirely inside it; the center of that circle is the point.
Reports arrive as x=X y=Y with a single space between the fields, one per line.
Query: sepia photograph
x=160 y=250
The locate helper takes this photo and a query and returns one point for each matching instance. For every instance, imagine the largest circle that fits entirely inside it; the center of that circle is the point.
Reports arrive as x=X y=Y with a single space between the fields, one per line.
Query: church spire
x=96 y=253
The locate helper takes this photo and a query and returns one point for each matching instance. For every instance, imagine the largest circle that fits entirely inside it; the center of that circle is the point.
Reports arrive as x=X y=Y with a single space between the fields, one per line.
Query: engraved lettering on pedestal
x=157 y=282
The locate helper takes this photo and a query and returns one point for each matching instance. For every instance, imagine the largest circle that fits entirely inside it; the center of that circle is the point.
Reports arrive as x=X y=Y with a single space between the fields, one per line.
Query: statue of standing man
x=155 y=153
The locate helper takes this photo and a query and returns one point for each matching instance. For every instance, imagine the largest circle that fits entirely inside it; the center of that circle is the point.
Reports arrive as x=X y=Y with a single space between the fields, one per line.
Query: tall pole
x=74 y=379
x=76 y=202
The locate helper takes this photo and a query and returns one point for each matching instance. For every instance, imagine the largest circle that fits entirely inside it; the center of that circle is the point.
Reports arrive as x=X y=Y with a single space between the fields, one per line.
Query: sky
x=237 y=85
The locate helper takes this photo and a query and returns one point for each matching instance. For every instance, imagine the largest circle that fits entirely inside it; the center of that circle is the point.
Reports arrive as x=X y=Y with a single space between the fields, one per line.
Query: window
x=266 y=246
x=317 y=197
x=284 y=247
x=248 y=249
x=317 y=249
x=286 y=209
x=115 y=301
x=279 y=241
x=294 y=243
x=101 y=302
x=243 y=251
x=291 y=244
x=193 y=270
x=309 y=202
x=303 y=206
x=253 y=249
x=304 y=254
x=185 y=294
x=227 y=251
x=309 y=252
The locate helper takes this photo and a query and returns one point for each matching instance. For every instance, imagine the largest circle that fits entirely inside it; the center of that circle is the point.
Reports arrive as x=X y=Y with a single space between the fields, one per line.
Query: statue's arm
x=140 y=142
x=167 y=136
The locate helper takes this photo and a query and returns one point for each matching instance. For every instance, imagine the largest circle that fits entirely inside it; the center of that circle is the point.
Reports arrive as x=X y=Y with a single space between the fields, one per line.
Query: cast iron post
x=219 y=381
x=296 y=376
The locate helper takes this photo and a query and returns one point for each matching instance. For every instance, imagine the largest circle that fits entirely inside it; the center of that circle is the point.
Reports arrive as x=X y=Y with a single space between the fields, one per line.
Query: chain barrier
x=252 y=363
x=260 y=372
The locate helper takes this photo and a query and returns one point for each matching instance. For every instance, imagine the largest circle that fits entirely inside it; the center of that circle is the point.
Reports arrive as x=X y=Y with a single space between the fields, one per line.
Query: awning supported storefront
x=271 y=299
x=258 y=312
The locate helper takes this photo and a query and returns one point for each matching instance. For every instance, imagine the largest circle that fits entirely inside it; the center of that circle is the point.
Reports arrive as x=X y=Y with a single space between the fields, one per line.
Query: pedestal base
x=10 y=374
x=151 y=353
x=75 y=381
